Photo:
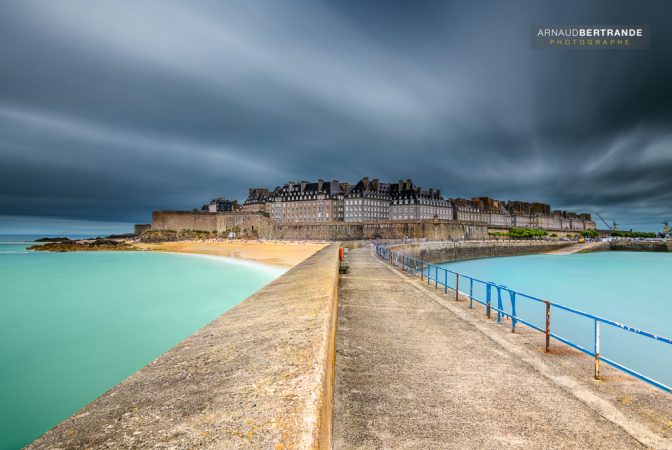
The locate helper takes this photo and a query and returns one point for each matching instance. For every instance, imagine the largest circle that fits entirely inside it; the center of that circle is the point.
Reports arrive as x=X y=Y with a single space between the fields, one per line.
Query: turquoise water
x=628 y=287
x=73 y=325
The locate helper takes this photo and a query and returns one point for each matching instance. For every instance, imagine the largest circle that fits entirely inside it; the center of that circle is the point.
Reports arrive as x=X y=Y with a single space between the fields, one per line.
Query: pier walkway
x=414 y=371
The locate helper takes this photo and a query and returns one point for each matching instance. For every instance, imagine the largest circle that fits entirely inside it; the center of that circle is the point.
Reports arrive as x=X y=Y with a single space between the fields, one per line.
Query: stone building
x=305 y=201
x=492 y=211
x=464 y=210
x=257 y=200
x=413 y=203
x=368 y=201
x=575 y=222
x=221 y=204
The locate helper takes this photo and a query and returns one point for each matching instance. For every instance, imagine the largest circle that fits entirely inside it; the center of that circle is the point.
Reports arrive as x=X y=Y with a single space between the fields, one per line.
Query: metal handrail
x=416 y=266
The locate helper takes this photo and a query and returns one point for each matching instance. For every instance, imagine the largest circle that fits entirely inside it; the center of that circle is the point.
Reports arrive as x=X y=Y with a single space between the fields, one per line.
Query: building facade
x=305 y=201
x=413 y=203
x=221 y=204
x=368 y=201
x=257 y=200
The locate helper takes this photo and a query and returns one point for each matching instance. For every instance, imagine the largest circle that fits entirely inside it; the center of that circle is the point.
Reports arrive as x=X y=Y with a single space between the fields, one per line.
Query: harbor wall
x=259 y=376
x=640 y=246
x=435 y=252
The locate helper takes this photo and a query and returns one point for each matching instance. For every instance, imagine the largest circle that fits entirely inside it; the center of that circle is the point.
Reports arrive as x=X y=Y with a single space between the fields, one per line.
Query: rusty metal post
x=597 y=350
x=422 y=270
x=457 y=286
x=548 y=326
x=488 y=299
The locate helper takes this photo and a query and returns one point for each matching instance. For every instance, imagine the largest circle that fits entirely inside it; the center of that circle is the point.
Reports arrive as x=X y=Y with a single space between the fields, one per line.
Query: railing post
x=499 y=304
x=597 y=350
x=471 y=293
x=548 y=326
x=457 y=286
x=422 y=270
x=488 y=299
x=436 y=277
x=445 y=281
x=513 y=311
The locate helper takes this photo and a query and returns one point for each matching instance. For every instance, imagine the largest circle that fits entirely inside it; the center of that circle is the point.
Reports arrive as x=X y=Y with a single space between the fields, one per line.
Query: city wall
x=259 y=376
x=346 y=231
x=245 y=224
x=251 y=224
x=435 y=252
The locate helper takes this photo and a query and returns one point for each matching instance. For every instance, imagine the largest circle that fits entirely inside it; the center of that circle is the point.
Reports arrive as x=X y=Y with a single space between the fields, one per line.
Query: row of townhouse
x=519 y=214
x=372 y=200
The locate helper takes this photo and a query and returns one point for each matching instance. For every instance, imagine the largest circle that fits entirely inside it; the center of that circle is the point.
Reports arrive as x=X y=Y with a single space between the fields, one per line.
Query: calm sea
x=73 y=325
x=632 y=288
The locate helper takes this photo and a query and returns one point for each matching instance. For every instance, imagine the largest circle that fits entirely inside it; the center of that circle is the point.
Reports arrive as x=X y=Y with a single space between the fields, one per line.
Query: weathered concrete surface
x=259 y=376
x=640 y=246
x=415 y=369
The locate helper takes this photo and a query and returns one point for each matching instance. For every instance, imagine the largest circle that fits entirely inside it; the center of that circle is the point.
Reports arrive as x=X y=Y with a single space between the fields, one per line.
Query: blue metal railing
x=440 y=276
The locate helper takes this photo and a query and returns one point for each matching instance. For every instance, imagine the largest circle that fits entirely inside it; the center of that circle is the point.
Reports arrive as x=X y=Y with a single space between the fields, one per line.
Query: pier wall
x=259 y=376
x=640 y=246
x=435 y=252
x=629 y=246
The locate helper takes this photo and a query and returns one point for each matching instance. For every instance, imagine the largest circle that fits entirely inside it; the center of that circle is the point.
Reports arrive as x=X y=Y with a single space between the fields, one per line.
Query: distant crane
x=613 y=226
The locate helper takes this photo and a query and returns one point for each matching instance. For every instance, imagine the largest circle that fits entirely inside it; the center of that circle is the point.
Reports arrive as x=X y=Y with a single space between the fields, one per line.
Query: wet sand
x=278 y=253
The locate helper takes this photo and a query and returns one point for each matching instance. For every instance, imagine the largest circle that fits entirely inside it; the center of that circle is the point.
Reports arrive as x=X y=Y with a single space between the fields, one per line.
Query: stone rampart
x=254 y=224
x=245 y=224
x=346 y=231
x=259 y=376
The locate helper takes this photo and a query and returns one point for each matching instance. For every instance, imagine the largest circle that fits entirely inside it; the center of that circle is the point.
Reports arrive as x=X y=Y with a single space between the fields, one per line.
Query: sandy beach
x=278 y=253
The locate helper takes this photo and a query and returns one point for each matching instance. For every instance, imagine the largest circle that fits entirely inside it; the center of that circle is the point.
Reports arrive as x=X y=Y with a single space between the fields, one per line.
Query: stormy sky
x=110 y=109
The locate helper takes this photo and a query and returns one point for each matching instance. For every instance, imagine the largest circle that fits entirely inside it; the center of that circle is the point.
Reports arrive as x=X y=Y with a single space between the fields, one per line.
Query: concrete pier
x=259 y=376
x=415 y=369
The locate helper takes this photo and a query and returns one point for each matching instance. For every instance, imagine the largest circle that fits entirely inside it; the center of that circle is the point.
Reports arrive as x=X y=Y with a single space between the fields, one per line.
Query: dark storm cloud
x=111 y=109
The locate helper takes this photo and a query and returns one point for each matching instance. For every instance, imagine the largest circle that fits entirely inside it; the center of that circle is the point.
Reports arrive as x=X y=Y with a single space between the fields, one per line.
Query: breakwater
x=434 y=252
x=638 y=246
x=626 y=245
x=259 y=376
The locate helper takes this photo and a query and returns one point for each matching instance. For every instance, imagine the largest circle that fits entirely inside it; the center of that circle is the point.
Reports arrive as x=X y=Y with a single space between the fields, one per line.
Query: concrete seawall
x=259 y=376
x=626 y=246
x=640 y=246
x=434 y=252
